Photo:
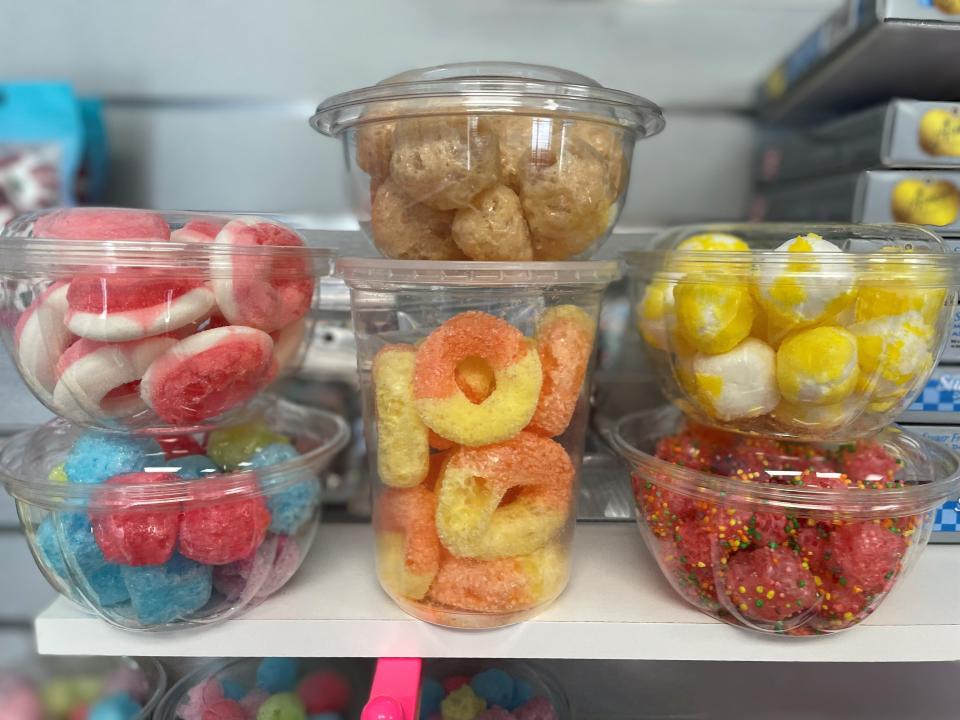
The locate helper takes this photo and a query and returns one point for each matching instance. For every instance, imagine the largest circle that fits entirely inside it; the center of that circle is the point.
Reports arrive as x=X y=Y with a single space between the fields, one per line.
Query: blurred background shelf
x=617 y=607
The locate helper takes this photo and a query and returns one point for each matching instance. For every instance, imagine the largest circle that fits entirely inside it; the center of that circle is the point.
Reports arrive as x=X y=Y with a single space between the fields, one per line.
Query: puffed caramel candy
x=493 y=227
x=406 y=230
x=444 y=162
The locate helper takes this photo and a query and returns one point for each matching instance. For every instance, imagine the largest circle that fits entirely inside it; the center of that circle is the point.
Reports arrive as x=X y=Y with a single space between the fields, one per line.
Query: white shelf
x=618 y=606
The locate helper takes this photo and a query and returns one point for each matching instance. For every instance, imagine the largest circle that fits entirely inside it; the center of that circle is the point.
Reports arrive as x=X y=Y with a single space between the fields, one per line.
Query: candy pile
x=120 y=695
x=794 y=342
x=280 y=690
x=490 y=187
x=765 y=567
x=175 y=338
x=161 y=559
x=478 y=492
x=492 y=694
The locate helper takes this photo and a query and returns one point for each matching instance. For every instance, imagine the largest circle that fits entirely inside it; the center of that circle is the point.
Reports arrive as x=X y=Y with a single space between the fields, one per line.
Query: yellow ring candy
x=403 y=450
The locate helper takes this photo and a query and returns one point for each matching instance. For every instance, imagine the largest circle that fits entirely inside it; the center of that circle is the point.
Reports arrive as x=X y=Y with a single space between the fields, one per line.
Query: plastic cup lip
x=232 y=485
x=362 y=273
x=911 y=499
x=488 y=88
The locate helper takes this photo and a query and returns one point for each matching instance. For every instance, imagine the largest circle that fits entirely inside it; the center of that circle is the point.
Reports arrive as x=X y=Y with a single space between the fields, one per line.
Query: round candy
x=452 y=683
x=462 y=704
x=800 y=289
x=706 y=243
x=444 y=162
x=492 y=227
x=431 y=694
x=294 y=502
x=133 y=303
x=494 y=686
x=324 y=691
x=253 y=701
x=278 y=675
x=407 y=230
x=208 y=373
x=402 y=444
x=40 y=338
x=287 y=344
x=893 y=352
x=866 y=555
x=101 y=224
x=538 y=708
x=901 y=283
x=815 y=418
x=115 y=707
x=197 y=231
x=522 y=693
x=470 y=520
x=225 y=710
x=194 y=467
x=103 y=380
x=58 y=474
x=769 y=584
x=98 y=456
x=408 y=550
x=198 y=698
x=375 y=146
x=266 y=292
x=134 y=534
x=162 y=594
x=870 y=464
x=217 y=532
x=233 y=446
x=741 y=383
x=565 y=344
x=714 y=314
x=283 y=706
x=818 y=365
x=444 y=407
x=656 y=311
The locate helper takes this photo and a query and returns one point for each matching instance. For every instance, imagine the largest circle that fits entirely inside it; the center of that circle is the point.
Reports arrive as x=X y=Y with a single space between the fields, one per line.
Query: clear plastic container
x=159 y=532
x=781 y=537
x=138 y=320
x=475 y=379
x=799 y=331
x=522 y=689
x=328 y=689
x=487 y=161
x=60 y=688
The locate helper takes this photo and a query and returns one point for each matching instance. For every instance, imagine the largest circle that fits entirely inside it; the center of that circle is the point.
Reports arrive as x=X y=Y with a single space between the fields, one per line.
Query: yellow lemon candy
x=706 y=243
x=233 y=446
x=462 y=704
x=904 y=282
x=892 y=353
x=818 y=365
x=653 y=312
x=803 y=289
x=713 y=314
x=814 y=419
x=737 y=384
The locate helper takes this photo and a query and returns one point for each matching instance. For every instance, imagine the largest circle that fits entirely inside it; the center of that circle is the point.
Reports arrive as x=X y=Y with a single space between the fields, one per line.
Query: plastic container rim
x=379 y=272
x=232 y=485
x=717 y=488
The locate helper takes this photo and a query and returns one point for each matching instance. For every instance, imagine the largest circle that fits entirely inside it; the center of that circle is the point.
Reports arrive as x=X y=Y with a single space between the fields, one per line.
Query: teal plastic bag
x=41 y=141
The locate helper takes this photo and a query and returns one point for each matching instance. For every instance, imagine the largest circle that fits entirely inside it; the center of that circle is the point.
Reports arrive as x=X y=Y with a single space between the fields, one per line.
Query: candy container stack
x=490 y=690
x=172 y=490
x=782 y=499
x=488 y=161
x=82 y=689
x=268 y=689
x=474 y=380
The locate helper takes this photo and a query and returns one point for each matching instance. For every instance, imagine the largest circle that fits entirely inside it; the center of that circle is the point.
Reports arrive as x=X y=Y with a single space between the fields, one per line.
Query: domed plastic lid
x=481 y=88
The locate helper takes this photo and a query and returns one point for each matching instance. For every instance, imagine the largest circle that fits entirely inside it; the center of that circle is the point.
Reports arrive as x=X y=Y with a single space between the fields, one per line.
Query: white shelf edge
x=617 y=607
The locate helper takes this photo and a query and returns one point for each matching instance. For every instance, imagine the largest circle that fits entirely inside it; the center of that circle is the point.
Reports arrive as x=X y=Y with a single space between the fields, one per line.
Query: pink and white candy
x=101 y=224
x=40 y=338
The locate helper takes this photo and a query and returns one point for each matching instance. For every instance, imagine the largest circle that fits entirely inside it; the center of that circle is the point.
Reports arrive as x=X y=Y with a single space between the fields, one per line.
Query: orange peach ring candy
x=470 y=521
x=403 y=452
x=565 y=343
x=503 y=585
x=408 y=551
x=443 y=405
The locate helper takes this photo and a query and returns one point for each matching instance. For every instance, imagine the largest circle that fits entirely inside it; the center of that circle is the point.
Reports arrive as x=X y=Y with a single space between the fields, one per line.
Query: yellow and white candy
x=901 y=283
x=892 y=352
x=818 y=365
x=801 y=289
x=807 y=418
x=655 y=314
x=714 y=314
x=737 y=384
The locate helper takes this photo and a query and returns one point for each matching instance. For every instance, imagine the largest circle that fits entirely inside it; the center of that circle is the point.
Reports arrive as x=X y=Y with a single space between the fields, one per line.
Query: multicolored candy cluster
x=492 y=694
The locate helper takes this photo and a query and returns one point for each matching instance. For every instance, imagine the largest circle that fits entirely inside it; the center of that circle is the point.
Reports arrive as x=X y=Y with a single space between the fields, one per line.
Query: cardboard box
x=865 y=53
x=946 y=524
x=921 y=197
x=898 y=134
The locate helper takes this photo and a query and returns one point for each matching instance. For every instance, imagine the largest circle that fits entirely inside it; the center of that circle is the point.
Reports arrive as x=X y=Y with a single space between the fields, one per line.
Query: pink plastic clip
x=395 y=690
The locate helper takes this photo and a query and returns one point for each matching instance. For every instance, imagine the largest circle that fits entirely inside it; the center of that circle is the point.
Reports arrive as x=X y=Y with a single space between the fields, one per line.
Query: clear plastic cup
x=337 y=687
x=159 y=532
x=61 y=688
x=783 y=537
x=138 y=320
x=475 y=378
x=811 y=332
x=524 y=689
x=487 y=161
